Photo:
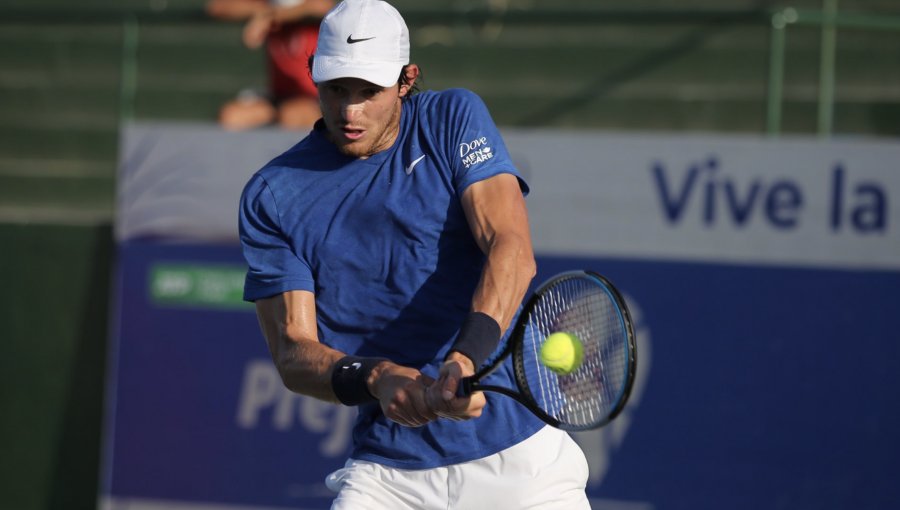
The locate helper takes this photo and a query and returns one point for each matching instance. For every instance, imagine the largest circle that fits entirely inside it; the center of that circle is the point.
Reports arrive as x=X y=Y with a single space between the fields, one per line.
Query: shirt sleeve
x=475 y=148
x=273 y=266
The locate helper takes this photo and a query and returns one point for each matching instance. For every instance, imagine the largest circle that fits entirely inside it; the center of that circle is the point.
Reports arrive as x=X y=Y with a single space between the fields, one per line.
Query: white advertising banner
x=735 y=199
x=714 y=198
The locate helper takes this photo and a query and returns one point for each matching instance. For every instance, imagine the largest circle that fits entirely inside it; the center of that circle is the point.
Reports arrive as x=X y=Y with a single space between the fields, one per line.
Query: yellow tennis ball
x=562 y=352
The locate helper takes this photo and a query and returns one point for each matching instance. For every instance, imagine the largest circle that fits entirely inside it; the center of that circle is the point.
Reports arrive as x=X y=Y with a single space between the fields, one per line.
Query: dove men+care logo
x=475 y=152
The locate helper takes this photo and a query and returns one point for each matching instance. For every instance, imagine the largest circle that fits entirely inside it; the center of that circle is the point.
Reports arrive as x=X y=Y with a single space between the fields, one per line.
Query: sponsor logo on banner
x=264 y=402
x=717 y=197
x=198 y=286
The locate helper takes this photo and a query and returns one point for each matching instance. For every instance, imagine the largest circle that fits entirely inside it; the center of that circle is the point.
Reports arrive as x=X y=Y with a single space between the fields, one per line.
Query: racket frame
x=515 y=346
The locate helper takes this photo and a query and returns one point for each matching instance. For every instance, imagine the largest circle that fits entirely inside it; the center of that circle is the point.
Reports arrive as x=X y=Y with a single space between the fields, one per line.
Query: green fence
x=53 y=326
x=828 y=21
x=68 y=77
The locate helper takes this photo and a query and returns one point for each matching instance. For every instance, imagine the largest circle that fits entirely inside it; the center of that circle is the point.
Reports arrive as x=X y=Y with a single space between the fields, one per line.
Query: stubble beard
x=384 y=140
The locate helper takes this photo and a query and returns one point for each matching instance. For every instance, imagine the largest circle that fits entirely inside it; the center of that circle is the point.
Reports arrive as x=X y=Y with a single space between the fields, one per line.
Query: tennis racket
x=587 y=305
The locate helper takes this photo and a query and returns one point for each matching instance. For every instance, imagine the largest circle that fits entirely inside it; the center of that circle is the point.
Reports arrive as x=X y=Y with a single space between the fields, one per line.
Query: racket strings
x=588 y=395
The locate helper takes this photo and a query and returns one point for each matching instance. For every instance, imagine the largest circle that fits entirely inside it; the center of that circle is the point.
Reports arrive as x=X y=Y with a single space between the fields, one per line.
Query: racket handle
x=465 y=386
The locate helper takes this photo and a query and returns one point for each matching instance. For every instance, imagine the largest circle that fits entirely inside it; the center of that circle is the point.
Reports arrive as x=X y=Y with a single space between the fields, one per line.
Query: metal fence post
x=826 y=68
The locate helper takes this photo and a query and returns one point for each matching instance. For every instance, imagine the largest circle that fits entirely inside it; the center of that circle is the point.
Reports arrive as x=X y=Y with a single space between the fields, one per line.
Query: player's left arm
x=496 y=213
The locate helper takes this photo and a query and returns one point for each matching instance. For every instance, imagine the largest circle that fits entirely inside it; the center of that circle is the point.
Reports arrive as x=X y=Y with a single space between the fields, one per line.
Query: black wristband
x=478 y=337
x=348 y=379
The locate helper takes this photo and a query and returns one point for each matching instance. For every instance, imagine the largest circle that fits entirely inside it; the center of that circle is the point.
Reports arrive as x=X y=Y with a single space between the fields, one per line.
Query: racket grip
x=465 y=386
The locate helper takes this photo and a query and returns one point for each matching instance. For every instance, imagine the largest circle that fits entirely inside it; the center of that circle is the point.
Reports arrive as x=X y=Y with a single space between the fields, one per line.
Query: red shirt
x=288 y=49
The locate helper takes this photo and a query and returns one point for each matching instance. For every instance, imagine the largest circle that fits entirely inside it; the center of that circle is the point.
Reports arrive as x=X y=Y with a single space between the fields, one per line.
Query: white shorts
x=546 y=471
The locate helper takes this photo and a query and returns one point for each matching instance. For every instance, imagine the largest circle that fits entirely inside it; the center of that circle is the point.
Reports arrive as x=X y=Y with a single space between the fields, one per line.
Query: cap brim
x=383 y=74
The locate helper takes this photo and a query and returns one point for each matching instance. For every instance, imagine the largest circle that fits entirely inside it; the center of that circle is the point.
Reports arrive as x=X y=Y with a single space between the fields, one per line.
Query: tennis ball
x=562 y=352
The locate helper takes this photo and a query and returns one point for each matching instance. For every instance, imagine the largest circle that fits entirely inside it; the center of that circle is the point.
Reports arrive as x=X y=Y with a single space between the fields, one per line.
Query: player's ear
x=410 y=74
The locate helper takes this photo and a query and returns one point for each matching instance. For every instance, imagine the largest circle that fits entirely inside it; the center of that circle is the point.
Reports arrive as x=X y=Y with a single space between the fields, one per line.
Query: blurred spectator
x=289 y=29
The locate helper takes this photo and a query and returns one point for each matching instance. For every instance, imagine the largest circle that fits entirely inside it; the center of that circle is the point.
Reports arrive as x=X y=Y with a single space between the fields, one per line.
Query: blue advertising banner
x=760 y=388
x=766 y=306
x=200 y=413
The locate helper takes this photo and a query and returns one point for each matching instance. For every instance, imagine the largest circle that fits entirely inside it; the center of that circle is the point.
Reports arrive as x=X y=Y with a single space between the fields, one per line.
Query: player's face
x=361 y=118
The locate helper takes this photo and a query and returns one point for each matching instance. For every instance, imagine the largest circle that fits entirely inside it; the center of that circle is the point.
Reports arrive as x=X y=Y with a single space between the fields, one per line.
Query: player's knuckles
x=400 y=399
x=396 y=412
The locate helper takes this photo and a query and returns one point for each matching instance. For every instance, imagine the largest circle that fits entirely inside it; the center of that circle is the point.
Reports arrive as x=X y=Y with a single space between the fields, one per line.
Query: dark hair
x=402 y=79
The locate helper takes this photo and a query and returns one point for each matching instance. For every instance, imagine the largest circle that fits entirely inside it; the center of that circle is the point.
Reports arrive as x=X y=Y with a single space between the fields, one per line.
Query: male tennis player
x=388 y=252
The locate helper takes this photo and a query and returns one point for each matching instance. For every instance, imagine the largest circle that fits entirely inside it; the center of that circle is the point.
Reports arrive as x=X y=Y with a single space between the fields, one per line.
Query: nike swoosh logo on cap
x=351 y=40
x=415 y=162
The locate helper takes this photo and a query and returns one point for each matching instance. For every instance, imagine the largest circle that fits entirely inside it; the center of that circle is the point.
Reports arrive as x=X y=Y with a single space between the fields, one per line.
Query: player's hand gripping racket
x=592 y=390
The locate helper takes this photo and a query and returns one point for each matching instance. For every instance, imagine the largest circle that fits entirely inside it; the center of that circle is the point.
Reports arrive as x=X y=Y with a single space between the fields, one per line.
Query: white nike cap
x=365 y=39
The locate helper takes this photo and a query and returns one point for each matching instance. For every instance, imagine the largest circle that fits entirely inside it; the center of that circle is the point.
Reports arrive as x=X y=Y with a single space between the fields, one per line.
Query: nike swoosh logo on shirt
x=351 y=40
x=415 y=162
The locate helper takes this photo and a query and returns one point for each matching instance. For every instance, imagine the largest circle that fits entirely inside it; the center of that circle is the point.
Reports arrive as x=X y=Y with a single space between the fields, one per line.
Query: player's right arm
x=288 y=322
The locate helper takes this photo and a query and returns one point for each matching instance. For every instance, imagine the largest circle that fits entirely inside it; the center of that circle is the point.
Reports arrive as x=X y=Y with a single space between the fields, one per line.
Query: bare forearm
x=305 y=367
x=507 y=273
x=309 y=367
x=288 y=322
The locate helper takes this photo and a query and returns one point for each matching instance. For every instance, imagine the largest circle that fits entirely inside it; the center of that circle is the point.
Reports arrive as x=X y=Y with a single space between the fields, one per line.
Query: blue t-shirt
x=384 y=244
